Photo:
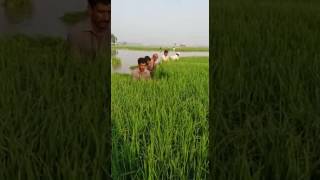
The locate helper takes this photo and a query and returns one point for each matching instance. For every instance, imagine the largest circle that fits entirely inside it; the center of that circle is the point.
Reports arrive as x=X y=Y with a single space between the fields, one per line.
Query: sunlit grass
x=160 y=128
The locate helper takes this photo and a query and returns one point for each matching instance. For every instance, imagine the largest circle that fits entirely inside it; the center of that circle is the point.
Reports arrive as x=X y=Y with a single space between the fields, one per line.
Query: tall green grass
x=54 y=121
x=160 y=128
x=265 y=81
x=115 y=62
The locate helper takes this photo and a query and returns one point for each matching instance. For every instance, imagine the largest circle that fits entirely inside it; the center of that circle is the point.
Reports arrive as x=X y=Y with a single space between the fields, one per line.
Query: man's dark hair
x=166 y=51
x=147 y=58
x=141 y=60
x=93 y=3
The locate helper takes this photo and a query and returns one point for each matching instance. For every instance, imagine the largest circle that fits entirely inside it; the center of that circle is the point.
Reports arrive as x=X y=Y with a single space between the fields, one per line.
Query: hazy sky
x=161 y=22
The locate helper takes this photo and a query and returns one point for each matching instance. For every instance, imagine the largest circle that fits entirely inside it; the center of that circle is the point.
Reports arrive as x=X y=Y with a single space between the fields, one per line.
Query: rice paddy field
x=160 y=127
x=54 y=115
x=265 y=90
x=264 y=105
x=54 y=121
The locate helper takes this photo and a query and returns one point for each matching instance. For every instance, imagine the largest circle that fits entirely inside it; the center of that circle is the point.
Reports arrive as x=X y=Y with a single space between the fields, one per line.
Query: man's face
x=101 y=15
x=166 y=53
x=155 y=57
x=142 y=67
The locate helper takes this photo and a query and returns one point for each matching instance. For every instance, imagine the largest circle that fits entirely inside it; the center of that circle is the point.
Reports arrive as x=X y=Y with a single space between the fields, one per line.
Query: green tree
x=113 y=38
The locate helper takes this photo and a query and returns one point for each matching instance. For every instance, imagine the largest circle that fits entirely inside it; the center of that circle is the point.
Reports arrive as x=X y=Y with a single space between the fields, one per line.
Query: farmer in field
x=93 y=36
x=165 y=56
x=141 y=72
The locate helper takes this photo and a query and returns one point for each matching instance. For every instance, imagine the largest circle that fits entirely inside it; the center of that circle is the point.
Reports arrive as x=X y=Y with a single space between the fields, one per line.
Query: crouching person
x=141 y=72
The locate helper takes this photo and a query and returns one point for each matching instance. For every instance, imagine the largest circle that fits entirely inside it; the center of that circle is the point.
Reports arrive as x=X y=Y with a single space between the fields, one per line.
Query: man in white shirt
x=165 y=56
x=176 y=56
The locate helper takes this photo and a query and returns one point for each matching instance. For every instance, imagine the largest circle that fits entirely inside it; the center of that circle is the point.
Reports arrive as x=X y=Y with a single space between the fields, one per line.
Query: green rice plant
x=265 y=81
x=54 y=121
x=159 y=127
x=115 y=61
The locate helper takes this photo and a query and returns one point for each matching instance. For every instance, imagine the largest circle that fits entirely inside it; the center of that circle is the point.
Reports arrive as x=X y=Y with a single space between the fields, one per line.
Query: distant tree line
x=114 y=39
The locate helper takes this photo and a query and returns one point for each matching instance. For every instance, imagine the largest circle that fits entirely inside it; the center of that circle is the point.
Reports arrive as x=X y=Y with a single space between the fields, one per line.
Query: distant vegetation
x=17 y=10
x=158 y=48
x=114 y=39
x=74 y=17
x=16 y=3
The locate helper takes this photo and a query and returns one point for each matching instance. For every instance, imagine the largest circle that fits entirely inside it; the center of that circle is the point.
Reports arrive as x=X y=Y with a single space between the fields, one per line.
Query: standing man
x=141 y=73
x=94 y=36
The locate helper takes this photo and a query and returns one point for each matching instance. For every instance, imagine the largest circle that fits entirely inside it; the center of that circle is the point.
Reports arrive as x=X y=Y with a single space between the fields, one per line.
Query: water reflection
x=38 y=16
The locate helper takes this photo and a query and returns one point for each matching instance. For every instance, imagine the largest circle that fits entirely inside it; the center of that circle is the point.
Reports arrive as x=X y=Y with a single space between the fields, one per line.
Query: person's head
x=148 y=59
x=100 y=13
x=142 y=64
x=166 y=52
x=155 y=56
x=178 y=54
